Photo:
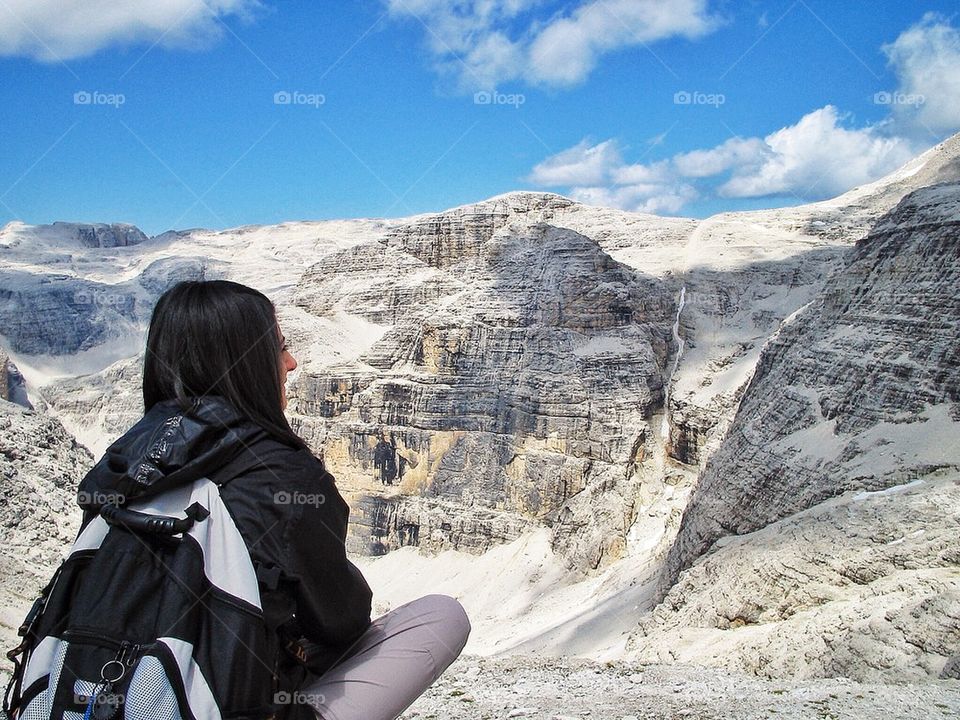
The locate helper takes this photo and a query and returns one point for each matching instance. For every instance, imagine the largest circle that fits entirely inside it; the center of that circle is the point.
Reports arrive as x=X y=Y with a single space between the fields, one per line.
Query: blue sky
x=166 y=113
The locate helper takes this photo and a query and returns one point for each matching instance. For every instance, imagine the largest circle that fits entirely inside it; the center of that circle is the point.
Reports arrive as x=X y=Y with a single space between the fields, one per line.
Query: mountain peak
x=72 y=234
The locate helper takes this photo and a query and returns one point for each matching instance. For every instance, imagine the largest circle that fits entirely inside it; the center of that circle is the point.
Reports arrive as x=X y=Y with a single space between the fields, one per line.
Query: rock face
x=60 y=315
x=858 y=392
x=40 y=466
x=732 y=306
x=166 y=272
x=17 y=386
x=62 y=289
x=4 y=387
x=68 y=234
x=855 y=397
x=863 y=586
x=12 y=384
x=104 y=236
x=746 y=273
x=110 y=401
x=514 y=386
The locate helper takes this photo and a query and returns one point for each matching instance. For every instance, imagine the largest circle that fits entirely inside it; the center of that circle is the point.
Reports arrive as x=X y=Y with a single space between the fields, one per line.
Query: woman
x=217 y=362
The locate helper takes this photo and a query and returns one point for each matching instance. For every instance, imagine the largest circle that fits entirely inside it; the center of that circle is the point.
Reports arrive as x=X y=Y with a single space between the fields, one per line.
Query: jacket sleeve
x=333 y=600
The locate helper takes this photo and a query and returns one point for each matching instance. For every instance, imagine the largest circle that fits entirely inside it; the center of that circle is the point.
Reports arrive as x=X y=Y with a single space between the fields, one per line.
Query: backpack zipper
x=127 y=652
x=93 y=635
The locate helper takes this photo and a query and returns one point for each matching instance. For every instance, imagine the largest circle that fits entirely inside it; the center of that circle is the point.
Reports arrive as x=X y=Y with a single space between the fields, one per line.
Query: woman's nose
x=291 y=363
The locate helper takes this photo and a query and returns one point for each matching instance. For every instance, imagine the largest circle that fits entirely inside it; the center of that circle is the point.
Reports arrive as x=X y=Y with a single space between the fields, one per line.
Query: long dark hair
x=217 y=337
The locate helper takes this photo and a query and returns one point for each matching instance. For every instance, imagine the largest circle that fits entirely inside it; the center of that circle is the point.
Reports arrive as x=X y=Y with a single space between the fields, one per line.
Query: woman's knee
x=452 y=618
x=450 y=608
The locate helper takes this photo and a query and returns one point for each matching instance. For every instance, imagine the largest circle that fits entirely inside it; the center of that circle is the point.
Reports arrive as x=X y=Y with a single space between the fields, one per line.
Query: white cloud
x=458 y=27
x=734 y=153
x=645 y=197
x=640 y=174
x=596 y=174
x=926 y=60
x=582 y=164
x=811 y=160
x=51 y=30
x=493 y=58
x=486 y=42
x=816 y=158
x=566 y=50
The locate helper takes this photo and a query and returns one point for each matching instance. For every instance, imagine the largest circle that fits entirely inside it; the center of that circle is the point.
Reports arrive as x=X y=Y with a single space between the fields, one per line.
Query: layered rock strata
x=858 y=392
x=820 y=538
x=515 y=383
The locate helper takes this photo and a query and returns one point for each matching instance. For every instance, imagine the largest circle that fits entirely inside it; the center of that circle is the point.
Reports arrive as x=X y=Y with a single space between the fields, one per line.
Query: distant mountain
x=64 y=234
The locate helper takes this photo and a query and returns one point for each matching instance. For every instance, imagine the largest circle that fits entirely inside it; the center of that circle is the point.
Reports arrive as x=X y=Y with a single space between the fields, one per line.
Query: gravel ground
x=477 y=688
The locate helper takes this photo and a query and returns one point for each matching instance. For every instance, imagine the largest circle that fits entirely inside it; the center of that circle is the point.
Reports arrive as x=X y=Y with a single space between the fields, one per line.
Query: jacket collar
x=168 y=447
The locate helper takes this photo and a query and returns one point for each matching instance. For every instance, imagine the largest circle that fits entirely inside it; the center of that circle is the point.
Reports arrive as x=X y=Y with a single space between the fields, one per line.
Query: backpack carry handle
x=153 y=524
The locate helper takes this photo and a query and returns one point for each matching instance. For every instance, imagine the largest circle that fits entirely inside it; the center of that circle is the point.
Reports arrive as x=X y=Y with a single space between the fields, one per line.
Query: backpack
x=154 y=615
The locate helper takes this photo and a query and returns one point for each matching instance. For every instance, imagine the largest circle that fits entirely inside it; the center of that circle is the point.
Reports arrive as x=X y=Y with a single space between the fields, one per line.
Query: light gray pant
x=399 y=656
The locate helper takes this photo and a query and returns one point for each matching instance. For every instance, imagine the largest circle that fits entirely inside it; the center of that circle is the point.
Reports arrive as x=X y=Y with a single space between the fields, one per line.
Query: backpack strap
x=239 y=464
x=19 y=655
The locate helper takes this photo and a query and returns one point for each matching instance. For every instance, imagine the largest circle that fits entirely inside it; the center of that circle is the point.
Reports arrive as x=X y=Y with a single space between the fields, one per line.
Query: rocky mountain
x=12 y=384
x=839 y=475
x=675 y=434
x=515 y=372
x=863 y=586
x=83 y=235
x=858 y=392
x=40 y=464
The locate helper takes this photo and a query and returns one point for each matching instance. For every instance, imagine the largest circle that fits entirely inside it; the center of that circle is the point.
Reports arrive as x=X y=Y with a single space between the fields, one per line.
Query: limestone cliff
x=858 y=392
x=514 y=384
x=820 y=539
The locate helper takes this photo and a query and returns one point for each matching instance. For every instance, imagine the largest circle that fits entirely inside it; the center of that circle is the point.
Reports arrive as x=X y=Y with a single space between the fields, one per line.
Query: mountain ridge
x=535 y=381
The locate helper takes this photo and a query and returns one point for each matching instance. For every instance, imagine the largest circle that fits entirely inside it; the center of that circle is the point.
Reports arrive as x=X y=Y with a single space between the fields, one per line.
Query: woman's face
x=287 y=363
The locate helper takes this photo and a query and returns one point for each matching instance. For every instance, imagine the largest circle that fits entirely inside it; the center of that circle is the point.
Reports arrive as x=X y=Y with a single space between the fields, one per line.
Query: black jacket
x=286 y=506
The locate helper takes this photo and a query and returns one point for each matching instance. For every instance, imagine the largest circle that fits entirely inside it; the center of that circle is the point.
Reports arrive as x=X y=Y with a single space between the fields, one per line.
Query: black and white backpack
x=154 y=615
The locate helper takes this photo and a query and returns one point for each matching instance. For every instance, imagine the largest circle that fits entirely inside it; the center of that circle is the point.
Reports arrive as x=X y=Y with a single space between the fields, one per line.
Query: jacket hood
x=168 y=447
